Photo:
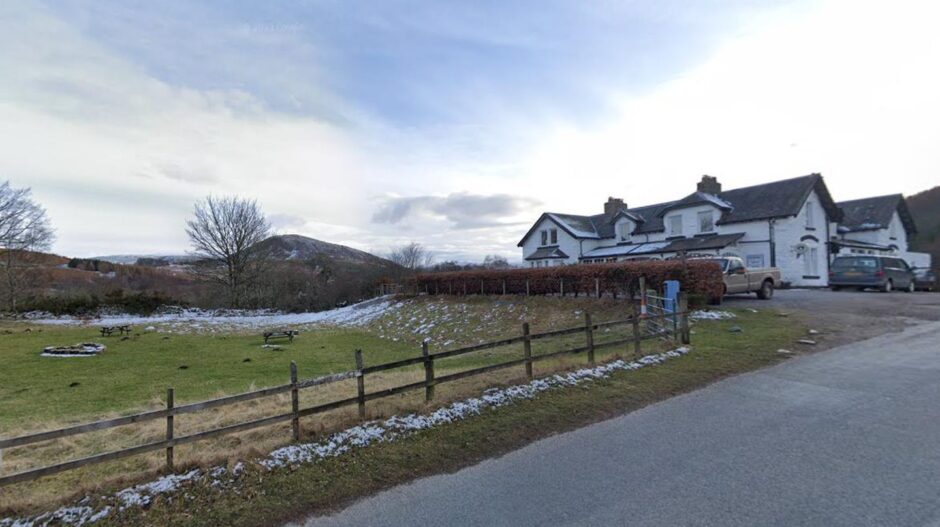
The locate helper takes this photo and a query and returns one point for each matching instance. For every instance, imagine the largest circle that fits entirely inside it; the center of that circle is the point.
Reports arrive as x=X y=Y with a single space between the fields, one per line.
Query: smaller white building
x=878 y=225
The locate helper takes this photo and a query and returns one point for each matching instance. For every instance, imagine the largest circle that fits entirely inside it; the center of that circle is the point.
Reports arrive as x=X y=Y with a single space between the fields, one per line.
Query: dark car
x=925 y=279
x=886 y=273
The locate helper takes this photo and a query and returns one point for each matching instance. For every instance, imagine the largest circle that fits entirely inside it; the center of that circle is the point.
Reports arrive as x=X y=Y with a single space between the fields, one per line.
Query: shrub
x=615 y=279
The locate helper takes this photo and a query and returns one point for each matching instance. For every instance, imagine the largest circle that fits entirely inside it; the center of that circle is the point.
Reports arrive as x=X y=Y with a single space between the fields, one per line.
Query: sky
x=453 y=124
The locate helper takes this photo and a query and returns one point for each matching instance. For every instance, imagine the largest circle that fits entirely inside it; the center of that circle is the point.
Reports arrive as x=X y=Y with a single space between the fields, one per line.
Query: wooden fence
x=427 y=359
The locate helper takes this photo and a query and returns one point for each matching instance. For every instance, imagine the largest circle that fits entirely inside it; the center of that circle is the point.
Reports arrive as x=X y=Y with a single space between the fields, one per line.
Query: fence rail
x=681 y=333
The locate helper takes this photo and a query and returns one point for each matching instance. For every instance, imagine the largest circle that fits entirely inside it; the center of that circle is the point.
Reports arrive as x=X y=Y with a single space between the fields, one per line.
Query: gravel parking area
x=849 y=316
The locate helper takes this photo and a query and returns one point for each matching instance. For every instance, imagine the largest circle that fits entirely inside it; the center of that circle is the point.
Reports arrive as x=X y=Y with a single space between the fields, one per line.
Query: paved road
x=849 y=437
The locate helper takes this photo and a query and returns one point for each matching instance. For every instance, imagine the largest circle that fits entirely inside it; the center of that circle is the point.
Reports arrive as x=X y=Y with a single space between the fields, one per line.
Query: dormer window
x=554 y=236
x=675 y=225
x=623 y=231
x=544 y=237
x=706 y=221
x=810 y=221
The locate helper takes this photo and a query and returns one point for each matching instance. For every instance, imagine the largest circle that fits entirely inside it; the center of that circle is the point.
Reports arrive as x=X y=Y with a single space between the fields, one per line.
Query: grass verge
x=266 y=498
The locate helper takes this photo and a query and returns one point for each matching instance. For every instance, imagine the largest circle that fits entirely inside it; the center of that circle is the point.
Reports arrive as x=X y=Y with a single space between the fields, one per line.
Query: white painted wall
x=794 y=267
x=567 y=243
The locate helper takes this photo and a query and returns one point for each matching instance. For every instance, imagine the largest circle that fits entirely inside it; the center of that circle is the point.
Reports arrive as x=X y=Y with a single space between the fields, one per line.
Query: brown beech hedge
x=698 y=277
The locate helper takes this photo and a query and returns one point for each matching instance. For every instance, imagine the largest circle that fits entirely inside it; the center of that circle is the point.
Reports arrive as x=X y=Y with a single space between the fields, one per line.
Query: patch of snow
x=142 y=495
x=353 y=315
x=711 y=315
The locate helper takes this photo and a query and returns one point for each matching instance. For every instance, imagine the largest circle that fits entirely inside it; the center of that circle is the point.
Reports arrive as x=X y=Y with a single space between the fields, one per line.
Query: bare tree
x=24 y=229
x=226 y=234
x=495 y=261
x=412 y=256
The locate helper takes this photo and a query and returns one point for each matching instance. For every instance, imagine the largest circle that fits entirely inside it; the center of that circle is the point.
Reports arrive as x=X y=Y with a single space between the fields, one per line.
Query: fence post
x=361 y=385
x=527 y=350
x=684 y=332
x=597 y=287
x=450 y=288
x=504 y=287
x=294 y=401
x=636 y=333
x=526 y=287
x=643 y=311
x=562 y=282
x=481 y=287
x=428 y=372
x=169 y=429
x=589 y=334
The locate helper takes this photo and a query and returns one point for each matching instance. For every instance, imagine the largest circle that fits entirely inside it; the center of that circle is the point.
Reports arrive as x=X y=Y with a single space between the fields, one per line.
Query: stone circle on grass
x=84 y=349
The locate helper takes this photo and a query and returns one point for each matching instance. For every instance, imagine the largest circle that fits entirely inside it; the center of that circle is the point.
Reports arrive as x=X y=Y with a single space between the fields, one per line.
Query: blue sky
x=453 y=124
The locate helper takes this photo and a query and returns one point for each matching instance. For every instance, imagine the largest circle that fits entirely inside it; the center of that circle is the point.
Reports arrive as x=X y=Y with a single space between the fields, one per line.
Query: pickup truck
x=739 y=279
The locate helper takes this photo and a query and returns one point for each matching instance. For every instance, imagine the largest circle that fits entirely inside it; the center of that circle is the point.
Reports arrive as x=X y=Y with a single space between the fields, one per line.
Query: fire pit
x=85 y=349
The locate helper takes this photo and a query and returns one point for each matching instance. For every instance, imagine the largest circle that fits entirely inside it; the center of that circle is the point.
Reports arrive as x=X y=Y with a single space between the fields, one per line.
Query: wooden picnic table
x=288 y=334
x=107 y=331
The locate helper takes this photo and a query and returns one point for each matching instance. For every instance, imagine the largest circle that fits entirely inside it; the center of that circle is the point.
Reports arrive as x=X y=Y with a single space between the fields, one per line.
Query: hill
x=294 y=247
x=925 y=208
x=310 y=274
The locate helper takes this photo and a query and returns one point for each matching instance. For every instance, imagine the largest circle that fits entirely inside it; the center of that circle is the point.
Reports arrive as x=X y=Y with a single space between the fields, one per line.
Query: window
x=675 y=225
x=810 y=221
x=894 y=230
x=623 y=231
x=554 y=236
x=544 y=237
x=706 y=222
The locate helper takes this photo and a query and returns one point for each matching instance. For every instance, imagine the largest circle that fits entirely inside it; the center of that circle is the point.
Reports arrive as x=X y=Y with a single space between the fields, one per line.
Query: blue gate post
x=670 y=299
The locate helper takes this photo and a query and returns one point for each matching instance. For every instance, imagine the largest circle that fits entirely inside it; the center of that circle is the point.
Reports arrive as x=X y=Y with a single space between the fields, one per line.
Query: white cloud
x=847 y=89
x=118 y=155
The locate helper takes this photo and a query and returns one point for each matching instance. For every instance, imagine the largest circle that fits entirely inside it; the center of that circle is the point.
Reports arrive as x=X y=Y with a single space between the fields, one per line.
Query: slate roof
x=546 y=252
x=875 y=213
x=702 y=243
x=778 y=199
x=697 y=198
x=858 y=244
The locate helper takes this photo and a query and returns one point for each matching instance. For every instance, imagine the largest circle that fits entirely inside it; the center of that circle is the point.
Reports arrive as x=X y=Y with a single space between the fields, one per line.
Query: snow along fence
x=639 y=333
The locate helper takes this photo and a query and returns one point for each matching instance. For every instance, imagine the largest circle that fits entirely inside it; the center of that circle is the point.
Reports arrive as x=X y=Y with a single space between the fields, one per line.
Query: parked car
x=925 y=279
x=886 y=273
x=739 y=279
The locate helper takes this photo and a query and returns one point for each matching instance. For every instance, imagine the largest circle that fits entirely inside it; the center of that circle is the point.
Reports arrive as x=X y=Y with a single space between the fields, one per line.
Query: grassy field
x=133 y=374
x=264 y=498
x=38 y=393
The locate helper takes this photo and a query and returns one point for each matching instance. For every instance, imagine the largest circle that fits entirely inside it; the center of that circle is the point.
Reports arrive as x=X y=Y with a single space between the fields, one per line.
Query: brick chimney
x=709 y=185
x=613 y=206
